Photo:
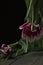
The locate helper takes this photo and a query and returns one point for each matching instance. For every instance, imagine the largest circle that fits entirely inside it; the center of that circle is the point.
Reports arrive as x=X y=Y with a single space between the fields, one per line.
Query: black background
x=13 y=14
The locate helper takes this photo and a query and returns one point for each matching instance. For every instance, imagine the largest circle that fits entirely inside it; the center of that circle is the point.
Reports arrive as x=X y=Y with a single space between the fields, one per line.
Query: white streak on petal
x=2 y=45
x=36 y=25
x=22 y=26
x=3 y=51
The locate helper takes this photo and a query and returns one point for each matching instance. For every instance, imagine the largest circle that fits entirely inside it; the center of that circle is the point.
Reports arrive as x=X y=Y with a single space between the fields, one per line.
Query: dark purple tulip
x=31 y=31
x=6 y=49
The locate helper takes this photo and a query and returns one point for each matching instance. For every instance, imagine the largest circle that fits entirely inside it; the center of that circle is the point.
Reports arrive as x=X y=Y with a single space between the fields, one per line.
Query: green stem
x=27 y=43
x=41 y=17
x=29 y=9
x=13 y=44
x=32 y=14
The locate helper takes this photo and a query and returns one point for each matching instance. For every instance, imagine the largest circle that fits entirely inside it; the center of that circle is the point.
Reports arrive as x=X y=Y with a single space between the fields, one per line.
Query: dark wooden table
x=32 y=58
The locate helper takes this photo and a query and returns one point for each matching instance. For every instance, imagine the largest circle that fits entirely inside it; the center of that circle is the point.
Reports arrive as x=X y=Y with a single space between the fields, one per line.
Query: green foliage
x=25 y=47
x=38 y=11
x=19 y=52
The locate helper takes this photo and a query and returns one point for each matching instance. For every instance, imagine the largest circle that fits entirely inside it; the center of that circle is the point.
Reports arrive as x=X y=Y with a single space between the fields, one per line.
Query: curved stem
x=13 y=44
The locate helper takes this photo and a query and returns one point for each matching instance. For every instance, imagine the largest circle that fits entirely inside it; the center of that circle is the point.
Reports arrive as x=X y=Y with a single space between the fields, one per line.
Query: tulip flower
x=6 y=49
x=31 y=31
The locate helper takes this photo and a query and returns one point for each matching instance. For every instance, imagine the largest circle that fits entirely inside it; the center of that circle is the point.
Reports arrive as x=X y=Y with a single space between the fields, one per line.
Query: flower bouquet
x=32 y=32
